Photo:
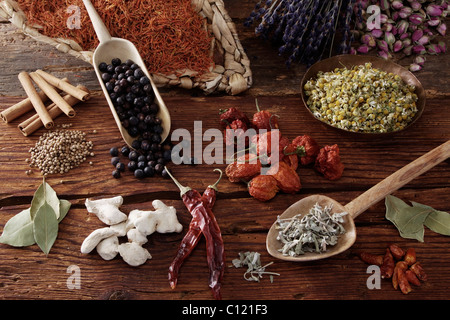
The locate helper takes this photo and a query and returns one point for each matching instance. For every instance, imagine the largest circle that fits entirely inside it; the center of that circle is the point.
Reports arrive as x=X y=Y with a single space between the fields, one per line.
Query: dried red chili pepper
x=311 y=147
x=410 y=256
x=418 y=271
x=227 y=116
x=396 y=251
x=263 y=187
x=264 y=119
x=245 y=168
x=328 y=162
x=210 y=229
x=370 y=258
x=192 y=236
x=412 y=278
x=387 y=268
x=287 y=178
x=238 y=129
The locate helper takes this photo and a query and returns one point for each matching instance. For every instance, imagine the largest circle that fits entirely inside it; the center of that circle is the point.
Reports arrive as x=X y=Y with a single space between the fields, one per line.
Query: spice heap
x=257 y=167
x=362 y=99
x=399 y=265
x=255 y=270
x=410 y=28
x=169 y=34
x=311 y=232
x=132 y=95
x=60 y=151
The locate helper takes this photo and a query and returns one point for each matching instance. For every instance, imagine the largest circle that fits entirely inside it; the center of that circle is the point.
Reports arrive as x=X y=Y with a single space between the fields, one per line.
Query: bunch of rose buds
x=411 y=27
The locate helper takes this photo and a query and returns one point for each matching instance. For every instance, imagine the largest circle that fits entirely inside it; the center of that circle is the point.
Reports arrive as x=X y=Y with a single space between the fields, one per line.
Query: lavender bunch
x=407 y=28
x=306 y=30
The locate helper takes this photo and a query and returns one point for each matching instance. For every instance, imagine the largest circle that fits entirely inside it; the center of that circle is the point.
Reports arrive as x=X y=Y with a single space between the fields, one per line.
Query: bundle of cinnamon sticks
x=51 y=87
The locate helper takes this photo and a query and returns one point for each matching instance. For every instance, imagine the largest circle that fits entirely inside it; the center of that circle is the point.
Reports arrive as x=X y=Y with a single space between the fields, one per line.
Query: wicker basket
x=233 y=77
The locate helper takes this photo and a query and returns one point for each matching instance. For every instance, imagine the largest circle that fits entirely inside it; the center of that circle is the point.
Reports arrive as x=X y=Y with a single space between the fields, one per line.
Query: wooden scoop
x=111 y=47
x=378 y=192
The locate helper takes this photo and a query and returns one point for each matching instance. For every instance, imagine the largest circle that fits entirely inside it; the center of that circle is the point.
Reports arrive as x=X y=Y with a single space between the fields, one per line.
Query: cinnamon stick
x=53 y=94
x=64 y=86
x=34 y=123
x=36 y=101
x=22 y=107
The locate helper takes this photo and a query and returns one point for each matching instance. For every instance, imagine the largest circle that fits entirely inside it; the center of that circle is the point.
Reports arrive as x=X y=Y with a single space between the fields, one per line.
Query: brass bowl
x=350 y=60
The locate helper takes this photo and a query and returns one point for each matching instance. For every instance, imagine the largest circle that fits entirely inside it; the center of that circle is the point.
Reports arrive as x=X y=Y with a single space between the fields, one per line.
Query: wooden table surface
x=26 y=273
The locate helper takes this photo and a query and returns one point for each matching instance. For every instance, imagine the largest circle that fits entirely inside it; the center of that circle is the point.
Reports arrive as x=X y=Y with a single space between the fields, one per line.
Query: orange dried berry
x=410 y=256
x=287 y=178
x=396 y=251
x=263 y=187
x=245 y=168
x=328 y=162
x=312 y=148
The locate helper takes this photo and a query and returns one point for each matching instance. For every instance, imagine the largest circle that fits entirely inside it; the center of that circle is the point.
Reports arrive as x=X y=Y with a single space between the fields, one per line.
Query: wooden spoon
x=378 y=192
x=111 y=47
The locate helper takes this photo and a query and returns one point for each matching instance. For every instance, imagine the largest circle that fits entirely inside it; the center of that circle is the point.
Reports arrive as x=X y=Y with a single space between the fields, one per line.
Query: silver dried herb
x=255 y=270
x=312 y=232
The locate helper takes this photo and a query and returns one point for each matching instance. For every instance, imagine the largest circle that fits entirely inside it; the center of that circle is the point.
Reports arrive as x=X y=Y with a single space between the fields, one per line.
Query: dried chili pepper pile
x=203 y=222
x=169 y=34
x=301 y=151
x=399 y=265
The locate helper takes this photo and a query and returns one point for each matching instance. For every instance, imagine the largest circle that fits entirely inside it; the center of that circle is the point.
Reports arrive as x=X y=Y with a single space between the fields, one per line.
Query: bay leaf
x=18 y=231
x=394 y=206
x=409 y=220
x=64 y=207
x=437 y=221
x=45 y=193
x=45 y=227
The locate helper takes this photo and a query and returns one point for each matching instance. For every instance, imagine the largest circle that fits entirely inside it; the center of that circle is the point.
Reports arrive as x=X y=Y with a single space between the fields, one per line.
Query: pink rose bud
x=384 y=5
x=385 y=55
x=419 y=49
x=377 y=33
x=434 y=10
x=402 y=26
x=442 y=29
x=416 y=6
x=387 y=27
x=434 y=21
x=396 y=4
x=383 y=18
x=353 y=51
x=417 y=35
x=407 y=50
x=415 y=67
x=442 y=46
x=369 y=40
x=363 y=49
x=416 y=18
x=420 y=60
x=405 y=12
x=407 y=42
x=398 y=45
x=405 y=36
x=389 y=38
x=433 y=49
x=382 y=45
x=423 y=40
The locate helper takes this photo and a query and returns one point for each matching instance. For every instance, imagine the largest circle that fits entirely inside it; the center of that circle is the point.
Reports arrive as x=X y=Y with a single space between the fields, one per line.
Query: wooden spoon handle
x=398 y=179
x=99 y=27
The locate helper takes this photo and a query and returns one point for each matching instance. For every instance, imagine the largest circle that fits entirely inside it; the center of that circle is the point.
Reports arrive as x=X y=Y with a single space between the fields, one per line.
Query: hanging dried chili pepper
x=206 y=222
